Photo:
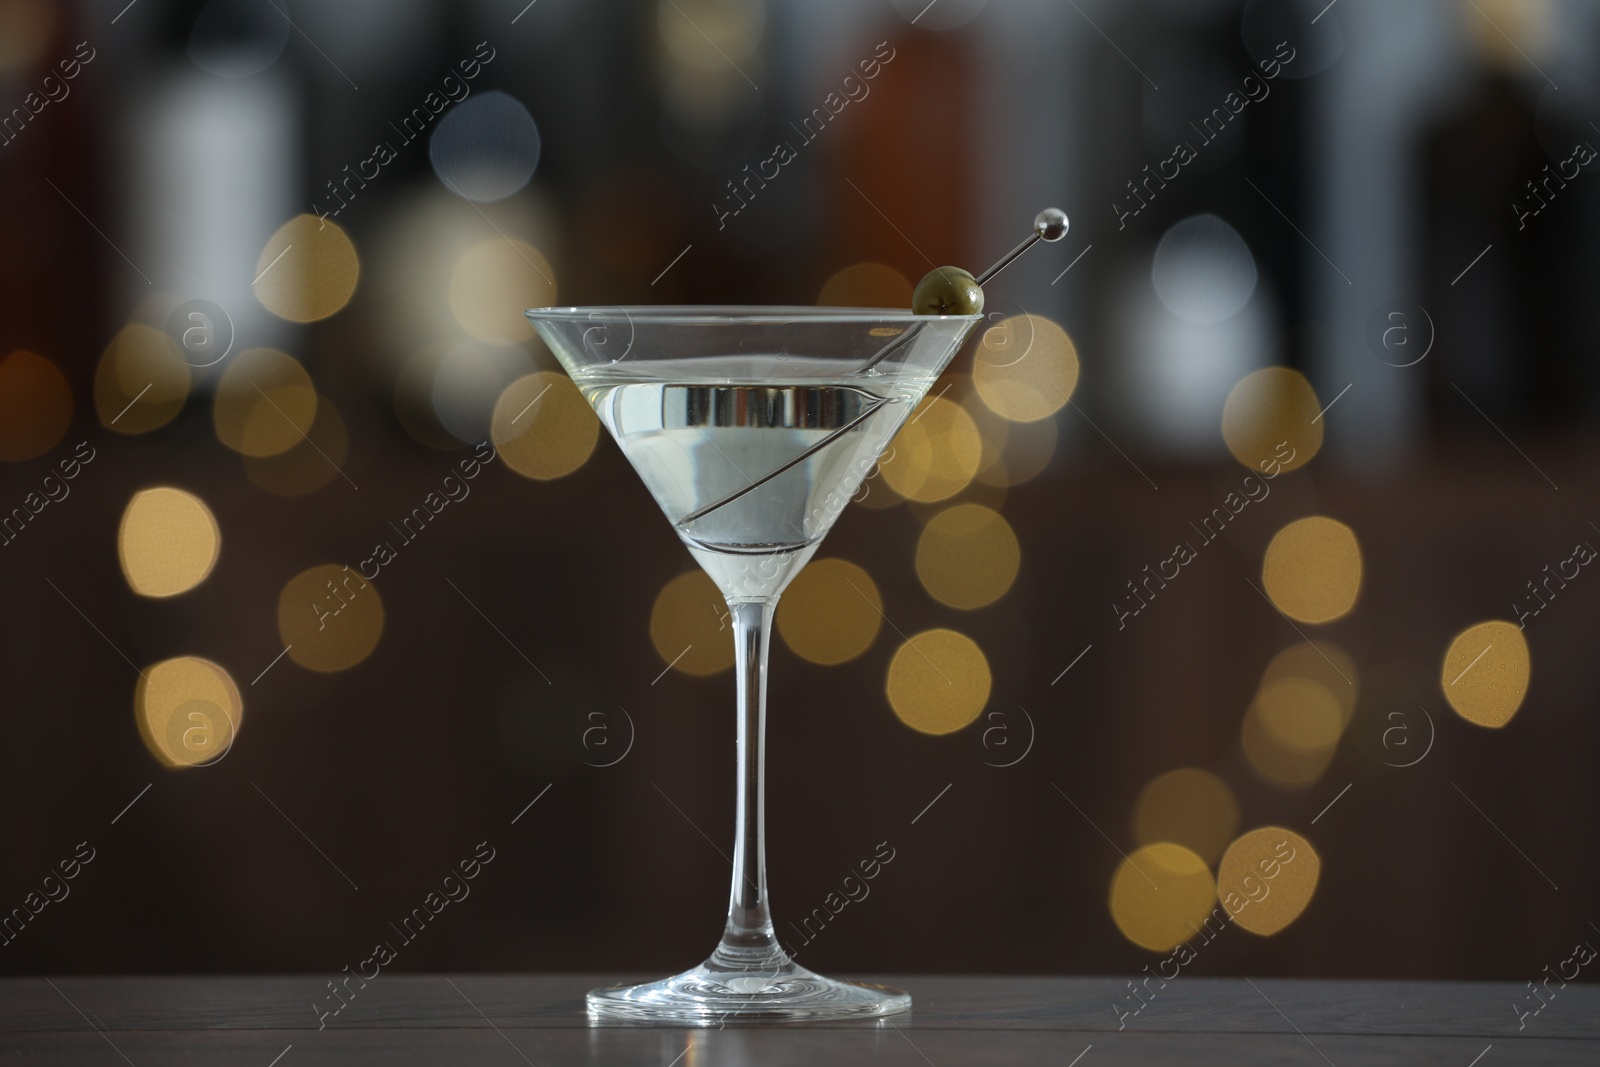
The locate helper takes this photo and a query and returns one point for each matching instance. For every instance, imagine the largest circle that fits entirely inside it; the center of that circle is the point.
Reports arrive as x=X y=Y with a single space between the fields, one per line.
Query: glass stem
x=749 y=942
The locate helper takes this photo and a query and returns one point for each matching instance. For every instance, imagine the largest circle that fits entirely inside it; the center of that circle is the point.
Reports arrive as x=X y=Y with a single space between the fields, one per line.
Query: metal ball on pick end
x=1051 y=224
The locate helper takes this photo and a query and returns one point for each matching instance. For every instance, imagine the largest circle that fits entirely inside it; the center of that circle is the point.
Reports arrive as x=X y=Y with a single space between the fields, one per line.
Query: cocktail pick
x=1049 y=225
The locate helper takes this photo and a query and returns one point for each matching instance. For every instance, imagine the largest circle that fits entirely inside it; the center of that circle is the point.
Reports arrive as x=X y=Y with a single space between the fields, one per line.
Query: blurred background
x=1255 y=516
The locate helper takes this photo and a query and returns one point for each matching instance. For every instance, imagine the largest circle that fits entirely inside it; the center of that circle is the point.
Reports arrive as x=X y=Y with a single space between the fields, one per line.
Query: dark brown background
x=396 y=769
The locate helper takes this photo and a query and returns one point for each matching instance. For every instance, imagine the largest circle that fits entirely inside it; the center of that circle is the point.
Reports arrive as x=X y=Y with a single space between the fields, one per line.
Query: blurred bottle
x=1512 y=326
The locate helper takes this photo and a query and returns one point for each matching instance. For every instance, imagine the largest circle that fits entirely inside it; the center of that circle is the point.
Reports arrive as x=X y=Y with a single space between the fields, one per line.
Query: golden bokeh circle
x=866 y=285
x=1486 y=672
x=265 y=403
x=1299 y=714
x=1312 y=569
x=1277 y=763
x=188 y=711
x=831 y=612
x=35 y=406
x=543 y=427
x=308 y=270
x=199 y=732
x=1189 y=807
x=309 y=465
x=1033 y=383
x=141 y=383
x=329 y=618
x=1271 y=409
x=168 y=541
x=1324 y=663
x=691 y=627
x=938 y=681
x=1160 y=895
x=494 y=283
x=968 y=556
x=935 y=454
x=1267 y=878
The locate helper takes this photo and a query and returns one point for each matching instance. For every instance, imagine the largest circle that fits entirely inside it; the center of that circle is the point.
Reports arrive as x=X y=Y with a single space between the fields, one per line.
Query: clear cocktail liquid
x=751 y=470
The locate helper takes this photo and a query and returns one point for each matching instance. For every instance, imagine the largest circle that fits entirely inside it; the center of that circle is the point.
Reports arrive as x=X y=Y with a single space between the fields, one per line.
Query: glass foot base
x=711 y=996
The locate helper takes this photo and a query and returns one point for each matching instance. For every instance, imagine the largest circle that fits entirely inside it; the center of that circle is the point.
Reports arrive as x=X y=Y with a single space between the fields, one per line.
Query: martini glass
x=752 y=427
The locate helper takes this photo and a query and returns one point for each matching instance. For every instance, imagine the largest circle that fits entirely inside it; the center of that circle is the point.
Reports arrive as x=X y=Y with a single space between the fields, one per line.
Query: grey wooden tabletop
x=538 y=1019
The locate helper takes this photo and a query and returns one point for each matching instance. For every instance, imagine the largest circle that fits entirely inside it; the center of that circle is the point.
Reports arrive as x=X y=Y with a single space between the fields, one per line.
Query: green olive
x=947 y=291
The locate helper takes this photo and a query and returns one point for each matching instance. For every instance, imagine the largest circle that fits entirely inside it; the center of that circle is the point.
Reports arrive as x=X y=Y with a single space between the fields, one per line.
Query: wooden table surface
x=465 y=1019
